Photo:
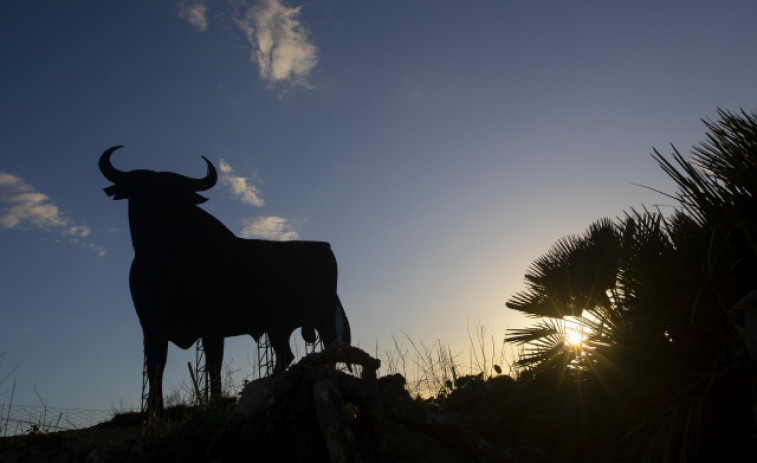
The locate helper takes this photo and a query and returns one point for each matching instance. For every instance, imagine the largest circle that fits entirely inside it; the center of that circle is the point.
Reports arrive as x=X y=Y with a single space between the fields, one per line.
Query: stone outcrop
x=313 y=412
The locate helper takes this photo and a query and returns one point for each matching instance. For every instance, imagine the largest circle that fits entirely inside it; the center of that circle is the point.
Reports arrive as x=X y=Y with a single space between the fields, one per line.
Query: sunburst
x=574 y=334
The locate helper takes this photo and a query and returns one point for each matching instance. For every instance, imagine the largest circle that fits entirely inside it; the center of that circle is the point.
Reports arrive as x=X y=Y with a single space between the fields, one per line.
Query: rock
x=334 y=422
x=311 y=402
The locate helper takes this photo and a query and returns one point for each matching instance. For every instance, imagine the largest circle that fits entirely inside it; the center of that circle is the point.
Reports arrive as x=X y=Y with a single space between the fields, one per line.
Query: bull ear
x=198 y=199
x=118 y=191
x=184 y=198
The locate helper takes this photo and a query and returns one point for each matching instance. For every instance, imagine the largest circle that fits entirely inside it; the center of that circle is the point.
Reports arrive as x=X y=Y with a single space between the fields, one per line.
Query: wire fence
x=24 y=419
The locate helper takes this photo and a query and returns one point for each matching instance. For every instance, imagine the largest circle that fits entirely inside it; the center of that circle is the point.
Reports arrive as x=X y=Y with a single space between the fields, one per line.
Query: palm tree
x=576 y=278
x=655 y=294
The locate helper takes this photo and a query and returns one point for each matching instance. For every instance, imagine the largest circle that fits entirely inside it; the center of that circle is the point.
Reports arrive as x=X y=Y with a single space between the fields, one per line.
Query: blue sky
x=440 y=146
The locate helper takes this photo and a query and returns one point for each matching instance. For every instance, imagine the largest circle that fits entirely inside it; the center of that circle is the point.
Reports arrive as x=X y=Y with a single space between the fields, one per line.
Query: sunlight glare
x=573 y=334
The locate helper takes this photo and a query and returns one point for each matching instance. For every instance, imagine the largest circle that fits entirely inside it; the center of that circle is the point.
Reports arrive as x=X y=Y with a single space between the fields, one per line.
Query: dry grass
x=431 y=368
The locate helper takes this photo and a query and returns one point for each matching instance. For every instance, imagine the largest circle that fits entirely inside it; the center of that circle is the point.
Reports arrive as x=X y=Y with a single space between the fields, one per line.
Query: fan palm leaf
x=654 y=294
x=573 y=276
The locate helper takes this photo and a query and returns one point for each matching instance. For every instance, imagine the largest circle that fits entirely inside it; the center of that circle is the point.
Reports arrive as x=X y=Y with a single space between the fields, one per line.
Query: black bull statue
x=192 y=278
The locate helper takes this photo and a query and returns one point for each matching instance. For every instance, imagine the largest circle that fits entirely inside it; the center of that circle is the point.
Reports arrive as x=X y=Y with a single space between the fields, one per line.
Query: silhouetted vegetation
x=311 y=412
x=662 y=374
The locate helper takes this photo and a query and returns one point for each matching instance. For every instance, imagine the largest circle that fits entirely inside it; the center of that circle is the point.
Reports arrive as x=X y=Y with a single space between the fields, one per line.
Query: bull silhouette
x=192 y=278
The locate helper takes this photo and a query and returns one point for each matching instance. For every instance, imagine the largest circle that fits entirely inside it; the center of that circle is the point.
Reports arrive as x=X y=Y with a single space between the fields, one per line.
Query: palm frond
x=573 y=276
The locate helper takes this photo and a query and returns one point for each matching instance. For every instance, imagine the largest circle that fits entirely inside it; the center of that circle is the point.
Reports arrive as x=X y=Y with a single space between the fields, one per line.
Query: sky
x=439 y=146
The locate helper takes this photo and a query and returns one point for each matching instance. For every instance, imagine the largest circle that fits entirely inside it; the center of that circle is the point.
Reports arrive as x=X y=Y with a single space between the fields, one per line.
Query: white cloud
x=195 y=12
x=8 y=180
x=280 y=44
x=242 y=190
x=24 y=208
x=271 y=228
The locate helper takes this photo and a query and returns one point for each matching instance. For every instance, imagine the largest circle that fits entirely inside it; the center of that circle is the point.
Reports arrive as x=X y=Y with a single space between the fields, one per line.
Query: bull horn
x=110 y=172
x=202 y=184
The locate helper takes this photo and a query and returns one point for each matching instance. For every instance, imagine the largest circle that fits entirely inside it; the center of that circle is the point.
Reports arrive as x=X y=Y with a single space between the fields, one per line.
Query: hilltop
x=311 y=412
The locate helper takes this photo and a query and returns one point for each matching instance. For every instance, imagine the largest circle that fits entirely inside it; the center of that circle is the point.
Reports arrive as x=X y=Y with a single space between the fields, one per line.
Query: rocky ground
x=312 y=412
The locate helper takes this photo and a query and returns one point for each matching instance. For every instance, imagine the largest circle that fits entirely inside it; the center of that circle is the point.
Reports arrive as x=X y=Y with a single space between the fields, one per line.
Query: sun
x=574 y=334
x=574 y=338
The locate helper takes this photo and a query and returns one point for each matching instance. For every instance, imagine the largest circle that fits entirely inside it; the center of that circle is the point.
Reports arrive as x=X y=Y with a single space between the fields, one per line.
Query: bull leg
x=333 y=322
x=213 y=362
x=156 y=352
x=280 y=343
x=343 y=330
x=334 y=327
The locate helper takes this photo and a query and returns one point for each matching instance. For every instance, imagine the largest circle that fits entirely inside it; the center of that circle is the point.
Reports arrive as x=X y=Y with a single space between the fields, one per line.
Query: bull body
x=192 y=278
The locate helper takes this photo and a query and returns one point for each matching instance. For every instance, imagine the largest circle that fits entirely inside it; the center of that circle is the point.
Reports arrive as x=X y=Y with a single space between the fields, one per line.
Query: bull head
x=155 y=186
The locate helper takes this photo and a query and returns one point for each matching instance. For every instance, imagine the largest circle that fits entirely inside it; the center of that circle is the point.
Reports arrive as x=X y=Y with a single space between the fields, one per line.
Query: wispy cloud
x=195 y=12
x=281 y=46
x=271 y=228
x=244 y=191
x=24 y=208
